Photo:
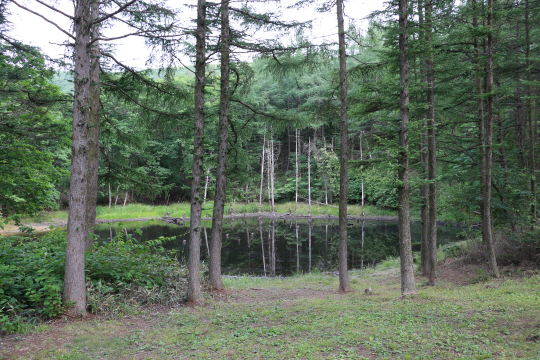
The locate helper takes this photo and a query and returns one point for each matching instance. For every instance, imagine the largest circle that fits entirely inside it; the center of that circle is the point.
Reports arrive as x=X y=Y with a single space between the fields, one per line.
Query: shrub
x=32 y=273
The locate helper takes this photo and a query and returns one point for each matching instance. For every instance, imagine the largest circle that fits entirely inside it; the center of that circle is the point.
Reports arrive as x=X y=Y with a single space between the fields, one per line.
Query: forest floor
x=466 y=316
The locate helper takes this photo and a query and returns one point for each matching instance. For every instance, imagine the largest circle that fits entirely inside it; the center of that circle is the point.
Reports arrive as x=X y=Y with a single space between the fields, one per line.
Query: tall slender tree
x=432 y=149
x=93 y=129
x=487 y=223
x=74 y=277
x=408 y=285
x=221 y=179
x=344 y=285
x=195 y=225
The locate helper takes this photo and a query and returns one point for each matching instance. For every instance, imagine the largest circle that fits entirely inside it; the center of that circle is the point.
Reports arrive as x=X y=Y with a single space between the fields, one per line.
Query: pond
x=283 y=247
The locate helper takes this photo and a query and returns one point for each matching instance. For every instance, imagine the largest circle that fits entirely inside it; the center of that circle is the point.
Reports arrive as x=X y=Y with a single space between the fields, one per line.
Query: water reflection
x=273 y=247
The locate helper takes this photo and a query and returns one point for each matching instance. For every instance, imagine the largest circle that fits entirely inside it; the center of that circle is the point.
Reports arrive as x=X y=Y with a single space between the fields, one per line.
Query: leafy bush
x=32 y=273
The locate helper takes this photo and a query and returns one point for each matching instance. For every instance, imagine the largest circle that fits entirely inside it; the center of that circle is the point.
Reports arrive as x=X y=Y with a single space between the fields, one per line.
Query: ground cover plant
x=305 y=317
x=117 y=271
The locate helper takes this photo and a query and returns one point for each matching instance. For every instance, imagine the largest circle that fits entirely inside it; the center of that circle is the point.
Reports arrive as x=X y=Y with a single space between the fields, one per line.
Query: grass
x=303 y=317
x=133 y=211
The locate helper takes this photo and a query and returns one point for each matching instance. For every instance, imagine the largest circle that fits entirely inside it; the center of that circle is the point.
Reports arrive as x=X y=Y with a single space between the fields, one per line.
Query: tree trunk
x=487 y=223
x=432 y=150
x=262 y=170
x=194 y=282
x=93 y=128
x=125 y=199
x=110 y=196
x=206 y=186
x=74 y=295
x=309 y=176
x=408 y=285
x=532 y=131
x=221 y=172
x=344 y=285
x=362 y=169
x=296 y=191
x=116 y=198
x=272 y=169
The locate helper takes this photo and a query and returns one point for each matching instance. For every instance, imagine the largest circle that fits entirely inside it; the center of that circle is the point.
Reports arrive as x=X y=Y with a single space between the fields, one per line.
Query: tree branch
x=122 y=8
x=138 y=103
x=44 y=18
x=54 y=9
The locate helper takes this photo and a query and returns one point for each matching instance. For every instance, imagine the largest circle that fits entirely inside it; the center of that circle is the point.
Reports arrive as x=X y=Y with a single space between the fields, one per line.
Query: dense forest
x=454 y=132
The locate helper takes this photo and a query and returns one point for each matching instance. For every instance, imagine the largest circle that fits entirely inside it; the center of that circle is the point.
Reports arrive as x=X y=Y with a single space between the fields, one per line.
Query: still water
x=282 y=247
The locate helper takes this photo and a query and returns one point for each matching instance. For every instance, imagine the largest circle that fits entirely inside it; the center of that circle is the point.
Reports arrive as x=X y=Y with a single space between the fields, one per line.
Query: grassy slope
x=304 y=317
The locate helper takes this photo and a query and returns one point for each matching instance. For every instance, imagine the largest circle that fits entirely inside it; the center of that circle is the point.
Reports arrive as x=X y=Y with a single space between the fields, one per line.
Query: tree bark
x=221 y=171
x=116 y=198
x=194 y=282
x=487 y=224
x=296 y=191
x=408 y=285
x=432 y=150
x=272 y=168
x=532 y=131
x=262 y=169
x=74 y=295
x=309 y=176
x=93 y=128
x=344 y=285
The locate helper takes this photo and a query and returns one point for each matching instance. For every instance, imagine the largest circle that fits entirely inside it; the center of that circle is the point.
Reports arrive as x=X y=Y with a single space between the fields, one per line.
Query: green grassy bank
x=133 y=211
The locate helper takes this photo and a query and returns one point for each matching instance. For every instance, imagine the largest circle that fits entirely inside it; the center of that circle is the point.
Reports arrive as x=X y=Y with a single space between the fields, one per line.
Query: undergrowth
x=118 y=272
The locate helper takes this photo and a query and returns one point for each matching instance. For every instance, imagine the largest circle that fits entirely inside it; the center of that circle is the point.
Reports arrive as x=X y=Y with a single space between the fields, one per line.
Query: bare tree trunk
x=206 y=186
x=296 y=196
x=289 y=146
x=268 y=173
x=194 y=282
x=206 y=240
x=487 y=225
x=432 y=150
x=532 y=131
x=262 y=170
x=125 y=199
x=116 y=198
x=110 y=196
x=480 y=106
x=93 y=128
x=74 y=295
x=424 y=190
x=272 y=169
x=408 y=285
x=221 y=172
x=362 y=170
x=309 y=176
x=344 y=285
